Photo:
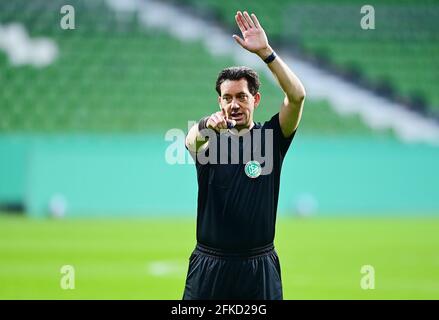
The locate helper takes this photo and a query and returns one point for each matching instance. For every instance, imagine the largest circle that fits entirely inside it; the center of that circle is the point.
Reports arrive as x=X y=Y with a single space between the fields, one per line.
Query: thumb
x=239 y=40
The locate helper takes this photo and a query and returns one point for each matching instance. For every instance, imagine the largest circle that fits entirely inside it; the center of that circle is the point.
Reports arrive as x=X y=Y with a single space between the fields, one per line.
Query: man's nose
x=235 y=104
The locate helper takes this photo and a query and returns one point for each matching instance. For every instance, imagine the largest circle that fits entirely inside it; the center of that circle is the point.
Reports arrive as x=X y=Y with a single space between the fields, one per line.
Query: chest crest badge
x=253 y=169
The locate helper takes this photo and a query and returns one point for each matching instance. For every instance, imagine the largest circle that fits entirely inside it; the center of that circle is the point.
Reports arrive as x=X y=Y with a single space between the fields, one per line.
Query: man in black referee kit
x=238 y=190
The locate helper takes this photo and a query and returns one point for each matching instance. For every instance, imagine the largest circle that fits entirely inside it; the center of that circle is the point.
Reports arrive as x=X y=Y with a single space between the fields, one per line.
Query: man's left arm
x=255 y=40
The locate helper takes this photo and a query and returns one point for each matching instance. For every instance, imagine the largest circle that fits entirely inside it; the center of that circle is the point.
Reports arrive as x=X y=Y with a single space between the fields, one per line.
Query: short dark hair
x=238 y=73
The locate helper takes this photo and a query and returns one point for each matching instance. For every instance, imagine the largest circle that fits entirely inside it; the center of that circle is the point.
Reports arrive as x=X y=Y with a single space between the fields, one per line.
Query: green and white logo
x=253 y=169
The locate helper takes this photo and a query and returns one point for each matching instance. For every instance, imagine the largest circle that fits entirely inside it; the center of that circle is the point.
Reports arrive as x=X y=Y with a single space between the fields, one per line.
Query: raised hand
x=255 y=40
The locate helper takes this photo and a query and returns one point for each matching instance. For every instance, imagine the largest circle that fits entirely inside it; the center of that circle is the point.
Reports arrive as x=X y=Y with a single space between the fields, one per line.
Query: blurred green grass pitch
x=113 y=258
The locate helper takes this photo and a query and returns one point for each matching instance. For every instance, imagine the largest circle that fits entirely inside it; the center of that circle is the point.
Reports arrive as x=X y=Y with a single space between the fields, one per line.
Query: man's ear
x=219 y=101
x=257 y=98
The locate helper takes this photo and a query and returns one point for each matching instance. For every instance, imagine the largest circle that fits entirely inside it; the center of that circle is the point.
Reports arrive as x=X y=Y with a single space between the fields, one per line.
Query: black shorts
x=250 y=275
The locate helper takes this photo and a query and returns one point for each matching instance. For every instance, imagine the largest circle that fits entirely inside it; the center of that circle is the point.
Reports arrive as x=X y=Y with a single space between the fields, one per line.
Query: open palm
x=255 y=39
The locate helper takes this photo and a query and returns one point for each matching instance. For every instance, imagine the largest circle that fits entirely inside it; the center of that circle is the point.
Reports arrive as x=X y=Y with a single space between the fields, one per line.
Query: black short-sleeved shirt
x=235 y=211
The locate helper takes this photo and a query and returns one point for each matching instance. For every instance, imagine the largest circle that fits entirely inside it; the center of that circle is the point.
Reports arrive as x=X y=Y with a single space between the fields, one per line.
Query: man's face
x=238 y=102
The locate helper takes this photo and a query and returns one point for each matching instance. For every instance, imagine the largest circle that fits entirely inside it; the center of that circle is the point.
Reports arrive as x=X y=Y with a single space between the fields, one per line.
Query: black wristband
x=270 y=58
x=202 y=124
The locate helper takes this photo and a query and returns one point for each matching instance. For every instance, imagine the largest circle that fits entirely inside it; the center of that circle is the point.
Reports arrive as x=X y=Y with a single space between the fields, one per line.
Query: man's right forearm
x=194 y=139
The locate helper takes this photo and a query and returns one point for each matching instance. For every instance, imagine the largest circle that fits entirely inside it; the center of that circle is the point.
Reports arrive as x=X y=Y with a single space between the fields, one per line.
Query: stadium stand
x=114 y=75
x=398 y=57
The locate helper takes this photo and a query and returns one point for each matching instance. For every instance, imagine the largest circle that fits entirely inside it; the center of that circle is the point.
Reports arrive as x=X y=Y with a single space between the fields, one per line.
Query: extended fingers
x=225 y=114
x=246 y=22
x=256 y=21
x=243 y=21
x=249 y=20
x=240 y=25
x=223 y=122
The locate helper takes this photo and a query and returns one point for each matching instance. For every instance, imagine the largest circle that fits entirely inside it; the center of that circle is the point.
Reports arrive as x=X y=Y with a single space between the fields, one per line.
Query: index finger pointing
x=225 y=114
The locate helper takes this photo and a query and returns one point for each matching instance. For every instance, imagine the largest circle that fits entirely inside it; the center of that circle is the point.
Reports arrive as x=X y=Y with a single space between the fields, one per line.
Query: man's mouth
x=236 y=115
